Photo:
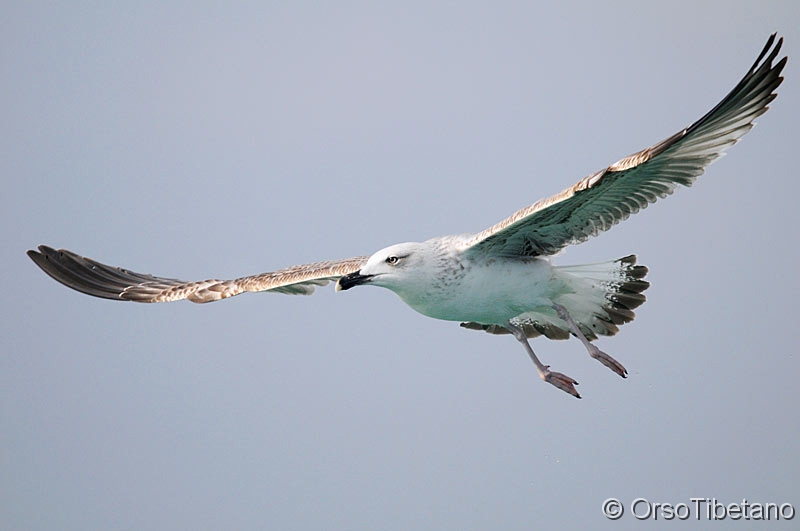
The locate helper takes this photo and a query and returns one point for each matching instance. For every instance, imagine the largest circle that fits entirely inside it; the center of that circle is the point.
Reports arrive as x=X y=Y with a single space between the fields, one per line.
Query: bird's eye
x=392 y=260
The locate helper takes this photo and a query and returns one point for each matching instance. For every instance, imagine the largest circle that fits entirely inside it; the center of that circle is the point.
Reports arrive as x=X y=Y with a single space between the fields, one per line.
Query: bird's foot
x=562 y=381
x=607 y=360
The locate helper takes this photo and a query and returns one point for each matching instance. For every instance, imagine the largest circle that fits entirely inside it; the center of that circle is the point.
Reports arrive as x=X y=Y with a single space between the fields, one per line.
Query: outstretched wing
x=599 y=201
x=108 y=282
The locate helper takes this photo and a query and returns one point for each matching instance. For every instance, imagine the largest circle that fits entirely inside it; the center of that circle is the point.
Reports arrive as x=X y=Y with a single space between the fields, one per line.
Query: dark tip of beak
x=353 y=279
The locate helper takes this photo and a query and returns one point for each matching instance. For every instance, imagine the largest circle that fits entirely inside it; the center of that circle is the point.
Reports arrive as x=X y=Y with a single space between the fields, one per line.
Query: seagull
x=499 y=280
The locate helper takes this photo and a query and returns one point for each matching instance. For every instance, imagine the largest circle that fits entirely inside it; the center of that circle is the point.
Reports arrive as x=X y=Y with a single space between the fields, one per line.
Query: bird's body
x=487 y=291
x=490 y=290
x=501 y=279
x=440 y=280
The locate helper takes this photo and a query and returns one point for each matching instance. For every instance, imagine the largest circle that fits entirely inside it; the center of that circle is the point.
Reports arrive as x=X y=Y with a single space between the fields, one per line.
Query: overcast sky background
x=198 y=140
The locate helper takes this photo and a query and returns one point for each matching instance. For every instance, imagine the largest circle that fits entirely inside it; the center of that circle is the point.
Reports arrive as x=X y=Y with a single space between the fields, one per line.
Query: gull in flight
x=501 y=279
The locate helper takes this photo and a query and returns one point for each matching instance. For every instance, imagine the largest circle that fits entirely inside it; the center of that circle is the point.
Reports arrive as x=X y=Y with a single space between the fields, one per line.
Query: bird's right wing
x=598 y=202
x=108 y=282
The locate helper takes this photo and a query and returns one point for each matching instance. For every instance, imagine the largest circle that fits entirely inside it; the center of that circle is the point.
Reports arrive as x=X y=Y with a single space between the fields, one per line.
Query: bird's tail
x=604 y=295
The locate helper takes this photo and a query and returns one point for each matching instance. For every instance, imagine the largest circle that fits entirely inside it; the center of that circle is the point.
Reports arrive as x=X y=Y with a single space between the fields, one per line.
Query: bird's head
x=389 y=268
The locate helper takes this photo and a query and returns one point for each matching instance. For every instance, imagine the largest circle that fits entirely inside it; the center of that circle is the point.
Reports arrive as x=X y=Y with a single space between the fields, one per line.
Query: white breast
x=487 y=291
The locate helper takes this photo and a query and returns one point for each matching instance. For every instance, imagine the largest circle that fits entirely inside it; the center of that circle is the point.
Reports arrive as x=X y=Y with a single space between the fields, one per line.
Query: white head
x=394 y=267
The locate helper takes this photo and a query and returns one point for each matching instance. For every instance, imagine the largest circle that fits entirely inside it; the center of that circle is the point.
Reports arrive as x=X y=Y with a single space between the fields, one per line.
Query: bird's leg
x=562 y=381
x=594 y=352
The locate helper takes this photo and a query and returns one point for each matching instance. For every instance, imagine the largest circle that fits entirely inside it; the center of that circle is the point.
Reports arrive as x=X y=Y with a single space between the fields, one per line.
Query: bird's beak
x=353 y=279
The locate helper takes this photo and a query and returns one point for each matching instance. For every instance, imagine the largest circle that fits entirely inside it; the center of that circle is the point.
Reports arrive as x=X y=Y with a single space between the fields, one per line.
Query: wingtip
x=38 y=255
x=40 y=249
x=41 y=254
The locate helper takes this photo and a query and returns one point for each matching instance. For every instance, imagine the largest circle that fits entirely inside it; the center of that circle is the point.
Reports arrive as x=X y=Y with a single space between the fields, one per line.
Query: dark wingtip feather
x=85 y=275
x=67 y=268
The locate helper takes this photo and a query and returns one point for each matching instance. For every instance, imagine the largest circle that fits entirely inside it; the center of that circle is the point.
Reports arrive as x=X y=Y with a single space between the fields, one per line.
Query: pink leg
x=594 y=352
x=562 y=381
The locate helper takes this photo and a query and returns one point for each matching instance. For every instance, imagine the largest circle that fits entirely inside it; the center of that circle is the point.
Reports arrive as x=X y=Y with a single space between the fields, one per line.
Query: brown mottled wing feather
x=599 y=201
x=532 y=329
x=108 y=282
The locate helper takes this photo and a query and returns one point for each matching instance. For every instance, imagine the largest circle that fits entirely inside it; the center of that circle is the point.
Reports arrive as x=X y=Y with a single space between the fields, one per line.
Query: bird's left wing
x=599 y=201
x=108 y=282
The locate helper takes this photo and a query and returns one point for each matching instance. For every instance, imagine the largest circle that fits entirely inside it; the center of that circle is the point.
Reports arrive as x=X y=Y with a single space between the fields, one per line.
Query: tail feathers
x=618 y=287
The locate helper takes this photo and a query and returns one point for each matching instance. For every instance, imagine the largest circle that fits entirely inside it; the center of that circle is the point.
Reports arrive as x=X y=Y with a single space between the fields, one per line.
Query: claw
x=608 y=361
x=562 y=381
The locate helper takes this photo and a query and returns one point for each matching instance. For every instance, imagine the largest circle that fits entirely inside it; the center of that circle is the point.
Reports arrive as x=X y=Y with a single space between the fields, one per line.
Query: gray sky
x=196 y=141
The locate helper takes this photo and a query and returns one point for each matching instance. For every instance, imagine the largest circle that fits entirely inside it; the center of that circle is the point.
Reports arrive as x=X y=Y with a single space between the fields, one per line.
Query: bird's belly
x=489 y=292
